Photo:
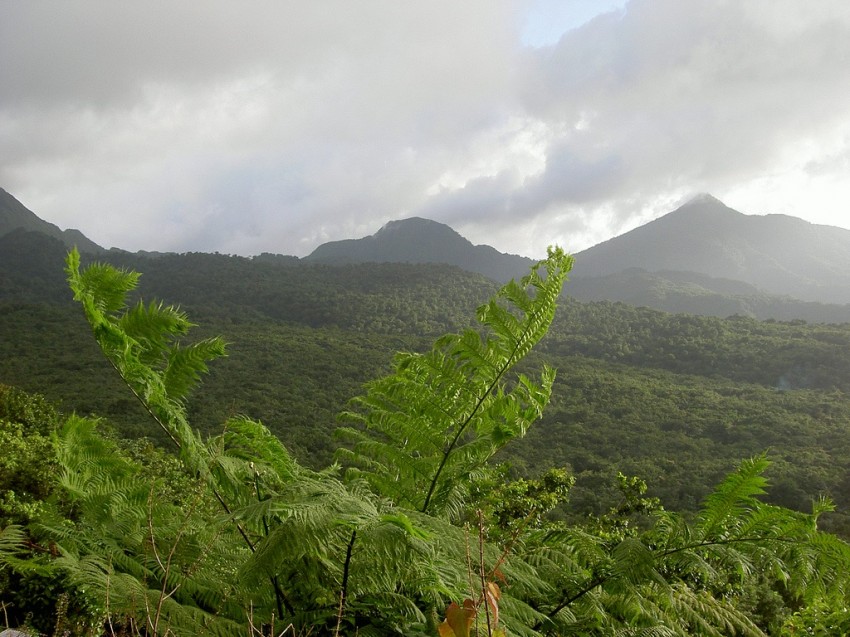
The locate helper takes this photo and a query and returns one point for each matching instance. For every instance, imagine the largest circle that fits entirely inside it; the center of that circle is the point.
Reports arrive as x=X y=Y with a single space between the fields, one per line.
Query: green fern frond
x=153 y=326
x=132 y=339
x=704 y=614
x=427 y=427
x=186 y=364
x=733 y=496
x=12 y=551
x=101 y=288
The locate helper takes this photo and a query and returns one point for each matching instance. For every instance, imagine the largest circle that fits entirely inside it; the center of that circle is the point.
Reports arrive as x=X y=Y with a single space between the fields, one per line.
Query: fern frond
x=13 y=553
x=704 y=614
x=186 y=363
x=102 y=287
x=152 y=327
x=442 y=414
x=133 y=339
x=733 y=496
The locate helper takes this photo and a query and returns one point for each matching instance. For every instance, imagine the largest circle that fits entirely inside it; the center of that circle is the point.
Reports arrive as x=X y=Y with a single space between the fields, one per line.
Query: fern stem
x=481 y=575
x=734 y=540
x=597 y=581
x=344 y=589
x=280 y=598
x=145 y=404
x=530 y=324
x=466 y=422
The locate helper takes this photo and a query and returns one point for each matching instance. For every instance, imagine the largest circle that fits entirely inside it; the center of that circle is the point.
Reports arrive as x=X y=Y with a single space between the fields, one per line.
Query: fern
x=385 y=547
x=429 y=426
x=13 y=541
x=134 y=552
x=142 y=344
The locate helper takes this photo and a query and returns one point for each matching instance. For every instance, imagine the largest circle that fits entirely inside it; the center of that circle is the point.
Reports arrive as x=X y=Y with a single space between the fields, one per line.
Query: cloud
x=275 y=126
x=695 y=92
x=313 y=115
x=668 y=98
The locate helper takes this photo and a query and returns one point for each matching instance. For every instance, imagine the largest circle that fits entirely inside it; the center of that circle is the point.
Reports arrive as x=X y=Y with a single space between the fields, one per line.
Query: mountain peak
x=777 y=254
x=703 y=198
x=415 y=225
x=704 y=204
x=418 y=240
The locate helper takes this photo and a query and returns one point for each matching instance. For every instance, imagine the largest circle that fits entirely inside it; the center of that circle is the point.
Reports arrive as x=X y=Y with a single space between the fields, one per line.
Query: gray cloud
x=706 y=90
x=276 y=126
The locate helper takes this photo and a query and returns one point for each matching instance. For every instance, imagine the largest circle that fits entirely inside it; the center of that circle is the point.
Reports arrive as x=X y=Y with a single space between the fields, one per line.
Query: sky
x=275 y=126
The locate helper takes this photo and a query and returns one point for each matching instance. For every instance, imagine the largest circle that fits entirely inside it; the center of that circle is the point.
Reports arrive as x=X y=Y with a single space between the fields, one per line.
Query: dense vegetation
x=676 y=399
x=421 y=533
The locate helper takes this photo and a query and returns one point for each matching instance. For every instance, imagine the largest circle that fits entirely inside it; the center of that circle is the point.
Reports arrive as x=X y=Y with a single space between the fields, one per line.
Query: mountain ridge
x=418 y=240
x=702 y=258
x=14 y=215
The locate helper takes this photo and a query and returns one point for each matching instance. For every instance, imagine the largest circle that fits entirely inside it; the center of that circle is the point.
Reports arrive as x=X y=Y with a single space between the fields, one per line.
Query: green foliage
x=31 y=588
x=410 y=539
x=686 y=575
x=512 y=506
x=142 y=557
x=27 y=467
x=443 y=414
x=822 y=619
x=684 y=396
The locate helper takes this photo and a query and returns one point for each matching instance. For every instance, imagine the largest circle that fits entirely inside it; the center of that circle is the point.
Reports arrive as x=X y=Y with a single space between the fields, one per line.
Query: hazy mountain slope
x=418 y=240
x=14 y=215
x=694 y=293
x=776 y=253
x=31 y=267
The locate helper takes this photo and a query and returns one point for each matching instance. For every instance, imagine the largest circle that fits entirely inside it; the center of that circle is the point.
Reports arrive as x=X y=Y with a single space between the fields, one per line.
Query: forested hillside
x=230 y=533
x=677 y=399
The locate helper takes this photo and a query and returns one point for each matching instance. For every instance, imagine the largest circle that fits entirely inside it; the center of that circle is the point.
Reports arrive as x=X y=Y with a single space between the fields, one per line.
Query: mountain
x=15 y=216
x=694 y=293
x=778 y=254
x=635 y=387
x=418 y=240
x=703 y=258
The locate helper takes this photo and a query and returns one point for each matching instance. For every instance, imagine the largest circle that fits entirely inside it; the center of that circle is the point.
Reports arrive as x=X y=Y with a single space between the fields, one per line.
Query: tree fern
x=137 y=554
x=681 y=575
x=442 y=414
x=142 y=343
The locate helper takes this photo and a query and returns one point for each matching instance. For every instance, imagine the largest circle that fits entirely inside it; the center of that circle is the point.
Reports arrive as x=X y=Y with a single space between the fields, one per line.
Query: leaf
x=404 y=523
x=458 y=619
x=492 y=594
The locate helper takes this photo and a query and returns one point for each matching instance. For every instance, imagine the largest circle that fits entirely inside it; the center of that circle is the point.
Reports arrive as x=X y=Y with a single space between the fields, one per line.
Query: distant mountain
x=694 y=293
x=777 y=254
x=15 y=216
x=418 y=240
x=703 y=258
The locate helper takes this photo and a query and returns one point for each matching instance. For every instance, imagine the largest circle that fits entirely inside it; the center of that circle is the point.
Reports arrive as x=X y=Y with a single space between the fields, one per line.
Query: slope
x=778 y=254
x=14 y=215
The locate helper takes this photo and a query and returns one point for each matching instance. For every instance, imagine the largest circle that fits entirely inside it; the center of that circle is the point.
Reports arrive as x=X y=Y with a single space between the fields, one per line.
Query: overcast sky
x=249 y=127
